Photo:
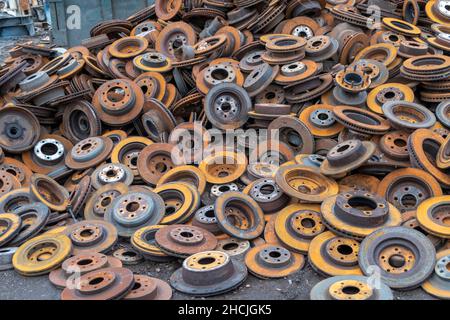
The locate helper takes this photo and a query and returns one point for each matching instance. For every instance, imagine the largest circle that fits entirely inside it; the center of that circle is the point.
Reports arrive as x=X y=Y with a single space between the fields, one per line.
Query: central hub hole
x=106 y=201
x=116 y=94
x=134 y=160
x=187 y=234
x=49 y=149
x=219 y=74
x=44 y=256
x=136 y=286
x=409 y=201
x=83 y=122
x=86 y=146
x=84 y=262
x=267 y=189
x=350 y=290
x=353 y=78
x=323 y=116
x=111 y=173
x=274 y=254
x=304 y=189
x=294 y=139
x=343 y=148
x=230 y=246
x=13 y=131
x=86 y=233
x=400 y=143
x=344 y=249
x=161 y=167
x=206 y=261
x=96 y=281
x=210 y=214
x=389 y=95
x=363 y=204
x=177 y=44
x=308 y=223
x=285 y=42
x=132 y=207
x=397 y=261
x=224 y=189
x=170 y=211
x=129 y=254
x=225 y=107
x=393 y=38
x=270 y=95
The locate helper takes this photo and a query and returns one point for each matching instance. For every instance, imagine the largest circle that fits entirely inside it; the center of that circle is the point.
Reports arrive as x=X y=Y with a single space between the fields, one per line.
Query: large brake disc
x=102 y=284
x=405 y=257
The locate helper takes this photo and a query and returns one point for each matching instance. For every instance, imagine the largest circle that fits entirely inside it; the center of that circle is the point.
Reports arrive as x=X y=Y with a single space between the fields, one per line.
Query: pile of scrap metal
x=355 y=185
x=16 y=19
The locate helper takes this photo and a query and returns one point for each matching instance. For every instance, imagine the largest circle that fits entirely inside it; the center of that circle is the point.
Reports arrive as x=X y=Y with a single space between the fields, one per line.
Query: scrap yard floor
x=296 y=287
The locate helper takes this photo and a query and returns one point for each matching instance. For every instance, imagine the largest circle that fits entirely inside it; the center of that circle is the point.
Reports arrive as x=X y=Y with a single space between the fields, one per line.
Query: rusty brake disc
x=239 y=216
x=333 y=255
x=91 y=236
x=133 y=210
x=42 y=254
x=357 y=214
x=209 y=273
x=147 y=288
x=269 y=261
x=154 y=161
x=111 y=173
x=407 y=188
x=305 y=183
x=181 y=201
x=143 y=240
x=432 y=216
x=19 y=129
x=296 y=225
x=350 y=288
x=101 y=284
x=347 y=156
x=183 y=241
x=89 y=152
x=406 y=257
x=99 y=201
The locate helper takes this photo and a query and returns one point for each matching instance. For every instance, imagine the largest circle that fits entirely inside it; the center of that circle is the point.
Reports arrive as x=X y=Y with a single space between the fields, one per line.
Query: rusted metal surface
x=351 y=117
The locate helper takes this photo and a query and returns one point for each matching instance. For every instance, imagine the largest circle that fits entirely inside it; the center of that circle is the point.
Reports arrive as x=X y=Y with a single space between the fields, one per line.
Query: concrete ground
x=296 y=287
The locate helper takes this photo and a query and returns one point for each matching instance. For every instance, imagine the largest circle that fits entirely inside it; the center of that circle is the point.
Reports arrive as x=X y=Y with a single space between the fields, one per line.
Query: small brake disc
x=209 y=273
